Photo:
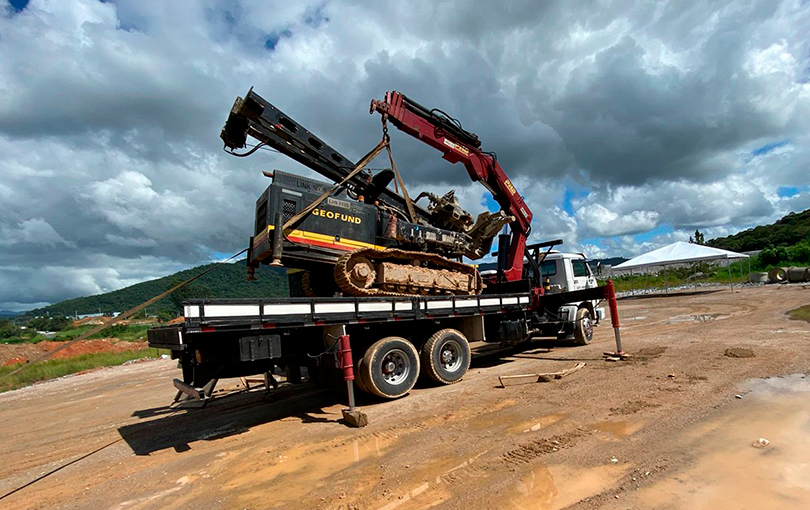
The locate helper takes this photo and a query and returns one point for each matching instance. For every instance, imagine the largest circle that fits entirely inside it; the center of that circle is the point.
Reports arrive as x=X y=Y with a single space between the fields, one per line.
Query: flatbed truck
x=394 y=340
x=408 y=307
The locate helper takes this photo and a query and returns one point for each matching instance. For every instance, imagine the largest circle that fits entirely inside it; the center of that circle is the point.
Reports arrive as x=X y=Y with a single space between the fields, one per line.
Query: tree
x=49 y=323
x=190 y=291
x=7 y=329
x=165 y=316
x=698 y=238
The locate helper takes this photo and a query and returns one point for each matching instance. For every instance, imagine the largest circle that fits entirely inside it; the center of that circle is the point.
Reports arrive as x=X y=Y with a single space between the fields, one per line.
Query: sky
x=626 y=125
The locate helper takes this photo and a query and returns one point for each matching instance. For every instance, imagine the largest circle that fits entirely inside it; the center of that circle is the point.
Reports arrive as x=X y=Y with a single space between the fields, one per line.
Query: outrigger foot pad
x=355 y=418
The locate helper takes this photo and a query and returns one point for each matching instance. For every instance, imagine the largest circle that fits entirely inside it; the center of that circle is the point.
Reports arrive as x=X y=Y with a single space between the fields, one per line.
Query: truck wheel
x=390 y=367
x=446 y=356
x=583 y=329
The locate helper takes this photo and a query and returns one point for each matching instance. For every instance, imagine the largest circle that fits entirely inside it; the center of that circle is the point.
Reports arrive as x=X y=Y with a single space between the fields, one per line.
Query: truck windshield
x=580 y=267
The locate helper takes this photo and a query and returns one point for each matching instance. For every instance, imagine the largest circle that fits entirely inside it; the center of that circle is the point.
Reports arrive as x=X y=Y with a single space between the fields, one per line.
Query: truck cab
x=561 y=273
x=567 y=272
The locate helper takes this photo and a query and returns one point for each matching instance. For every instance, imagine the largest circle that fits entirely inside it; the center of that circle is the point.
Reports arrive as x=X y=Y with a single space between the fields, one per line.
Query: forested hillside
x=790 y=230
x=227 y=281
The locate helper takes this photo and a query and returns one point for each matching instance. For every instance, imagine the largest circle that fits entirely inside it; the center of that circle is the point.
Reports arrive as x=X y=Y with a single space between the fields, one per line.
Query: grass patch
x=800 y=314
x=51 y=369
x=670 y=276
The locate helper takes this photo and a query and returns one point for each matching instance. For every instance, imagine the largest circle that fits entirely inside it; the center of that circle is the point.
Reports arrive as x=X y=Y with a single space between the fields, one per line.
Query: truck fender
x=567 y=314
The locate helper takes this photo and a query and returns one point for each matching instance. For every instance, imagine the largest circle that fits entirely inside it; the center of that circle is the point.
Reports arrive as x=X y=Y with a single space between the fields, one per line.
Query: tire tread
x=426 y=357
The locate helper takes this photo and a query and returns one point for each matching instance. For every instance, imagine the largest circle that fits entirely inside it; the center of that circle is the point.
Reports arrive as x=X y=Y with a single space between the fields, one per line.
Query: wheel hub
x=587 y=325
x=450 y=356
x=395 y=367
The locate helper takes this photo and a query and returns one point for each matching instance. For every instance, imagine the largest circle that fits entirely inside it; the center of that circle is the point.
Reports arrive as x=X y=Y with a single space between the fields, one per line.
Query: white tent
x=681 y=253
x=678 y=253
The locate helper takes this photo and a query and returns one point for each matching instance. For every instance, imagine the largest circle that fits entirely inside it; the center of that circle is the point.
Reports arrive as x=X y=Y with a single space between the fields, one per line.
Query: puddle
x=537 y=424
x=553 y=487
x=619 y=429
x=492 y=417
x=729 y=473
x=680 y=319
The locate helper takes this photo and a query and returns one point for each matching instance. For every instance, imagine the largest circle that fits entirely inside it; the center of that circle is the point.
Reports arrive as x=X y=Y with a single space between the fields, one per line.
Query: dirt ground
x=644 y=433
x=11 y=354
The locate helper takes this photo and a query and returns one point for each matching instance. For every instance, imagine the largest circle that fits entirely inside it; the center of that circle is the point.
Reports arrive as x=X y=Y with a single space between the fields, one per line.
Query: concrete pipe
x=796 y=274
x=777 y=275
x=759 y=278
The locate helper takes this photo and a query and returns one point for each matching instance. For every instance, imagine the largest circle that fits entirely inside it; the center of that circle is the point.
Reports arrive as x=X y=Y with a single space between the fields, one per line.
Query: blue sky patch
x=18 y=5
x=657 y=231
x=490 y=202
x=573 y=192
x=768 y=147
x=791 y=191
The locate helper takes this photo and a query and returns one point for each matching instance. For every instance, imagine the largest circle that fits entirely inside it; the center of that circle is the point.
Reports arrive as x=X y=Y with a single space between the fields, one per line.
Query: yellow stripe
x=328 y=239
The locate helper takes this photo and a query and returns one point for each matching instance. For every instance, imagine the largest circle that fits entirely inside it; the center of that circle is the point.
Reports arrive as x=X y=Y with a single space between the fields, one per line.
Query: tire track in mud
x=527 y=452
x=481 y=467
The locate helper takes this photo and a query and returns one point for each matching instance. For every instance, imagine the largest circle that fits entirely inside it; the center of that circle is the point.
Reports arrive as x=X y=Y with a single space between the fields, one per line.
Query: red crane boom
x=441 y=132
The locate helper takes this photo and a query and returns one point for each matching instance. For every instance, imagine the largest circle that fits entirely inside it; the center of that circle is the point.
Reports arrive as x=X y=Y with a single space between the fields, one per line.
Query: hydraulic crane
x=446 y=134
x=359 y=235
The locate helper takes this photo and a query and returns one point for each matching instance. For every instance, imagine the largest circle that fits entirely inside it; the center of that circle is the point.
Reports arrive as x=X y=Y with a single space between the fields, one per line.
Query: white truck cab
x=567 y=272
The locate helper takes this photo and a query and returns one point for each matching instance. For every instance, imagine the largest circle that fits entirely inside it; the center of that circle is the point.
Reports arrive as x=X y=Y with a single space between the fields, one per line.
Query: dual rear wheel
x=392 y=365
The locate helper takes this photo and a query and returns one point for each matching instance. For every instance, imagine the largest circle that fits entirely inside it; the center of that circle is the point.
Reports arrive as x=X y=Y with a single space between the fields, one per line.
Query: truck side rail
x=203 y=315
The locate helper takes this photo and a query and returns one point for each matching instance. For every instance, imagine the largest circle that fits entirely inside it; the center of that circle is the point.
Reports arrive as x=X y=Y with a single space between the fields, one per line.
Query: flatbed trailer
x=394 y=340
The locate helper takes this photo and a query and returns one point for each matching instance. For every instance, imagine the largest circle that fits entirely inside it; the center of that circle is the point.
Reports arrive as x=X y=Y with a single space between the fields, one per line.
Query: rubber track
x=393 y=254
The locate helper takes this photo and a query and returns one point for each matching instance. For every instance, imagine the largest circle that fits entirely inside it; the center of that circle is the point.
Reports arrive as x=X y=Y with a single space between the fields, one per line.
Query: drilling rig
x=357 y=236
x=409 y=302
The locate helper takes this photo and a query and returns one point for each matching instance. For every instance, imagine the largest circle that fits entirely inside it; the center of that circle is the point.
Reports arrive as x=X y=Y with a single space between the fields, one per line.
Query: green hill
x=227 y=281
x=790 y=230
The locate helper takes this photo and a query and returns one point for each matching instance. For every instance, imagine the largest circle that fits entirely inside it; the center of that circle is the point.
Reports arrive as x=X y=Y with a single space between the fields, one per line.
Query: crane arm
x=458 y=145
x=254 y=116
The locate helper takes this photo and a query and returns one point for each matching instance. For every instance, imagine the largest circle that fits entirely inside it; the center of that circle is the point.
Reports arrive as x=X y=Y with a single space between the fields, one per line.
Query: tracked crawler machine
x=359 y=236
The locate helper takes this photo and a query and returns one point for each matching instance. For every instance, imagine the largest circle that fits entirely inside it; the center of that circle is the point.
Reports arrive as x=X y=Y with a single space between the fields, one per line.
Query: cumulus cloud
x=601 y=221
x=611 y=118
x=29 y=233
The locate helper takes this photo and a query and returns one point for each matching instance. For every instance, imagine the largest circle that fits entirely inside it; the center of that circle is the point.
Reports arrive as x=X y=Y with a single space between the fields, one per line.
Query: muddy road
x=663 y=430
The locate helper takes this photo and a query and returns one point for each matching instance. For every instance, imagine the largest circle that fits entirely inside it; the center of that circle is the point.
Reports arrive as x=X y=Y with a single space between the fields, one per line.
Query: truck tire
x=583 y=328
x=390 y=367
x=358 y=376
x=446 y=356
